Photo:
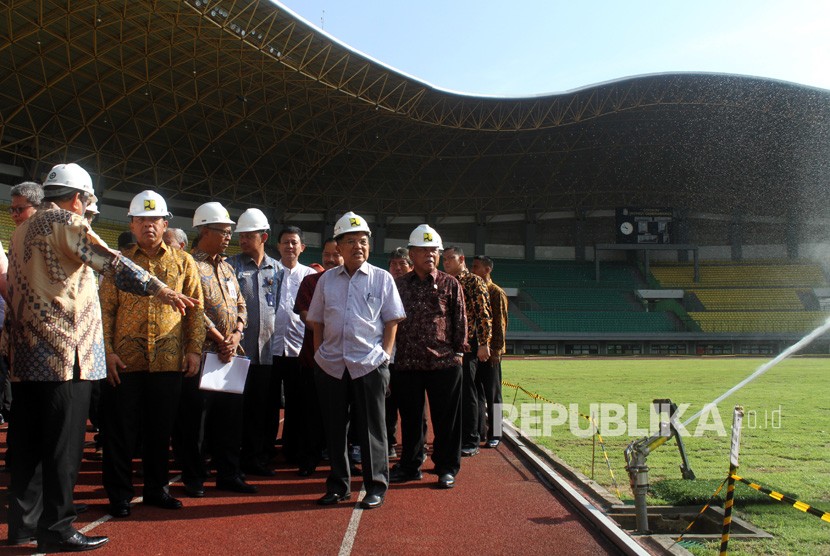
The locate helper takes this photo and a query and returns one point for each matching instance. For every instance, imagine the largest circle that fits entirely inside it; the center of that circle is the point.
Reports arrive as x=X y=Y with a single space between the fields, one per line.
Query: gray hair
x=29 y=190
x=179 y=235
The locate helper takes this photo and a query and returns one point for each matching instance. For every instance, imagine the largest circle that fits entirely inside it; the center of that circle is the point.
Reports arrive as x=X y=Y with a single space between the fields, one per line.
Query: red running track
x=497 y=507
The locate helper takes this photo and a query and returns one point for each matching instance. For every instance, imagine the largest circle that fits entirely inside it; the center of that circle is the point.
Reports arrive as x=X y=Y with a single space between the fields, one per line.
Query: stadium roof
x=245 y=102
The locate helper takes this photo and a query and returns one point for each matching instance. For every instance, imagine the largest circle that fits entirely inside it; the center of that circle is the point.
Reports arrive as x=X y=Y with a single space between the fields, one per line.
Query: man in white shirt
x=355 y=313
x=287 y=342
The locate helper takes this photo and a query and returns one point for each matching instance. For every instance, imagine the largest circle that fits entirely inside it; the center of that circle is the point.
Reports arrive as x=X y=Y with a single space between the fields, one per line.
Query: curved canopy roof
x=243 y=101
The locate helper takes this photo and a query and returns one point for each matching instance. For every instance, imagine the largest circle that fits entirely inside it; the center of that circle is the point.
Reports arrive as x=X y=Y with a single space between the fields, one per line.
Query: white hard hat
x=72 y=176
x=211 y=213
x=252 y=220
x=148 y=203
x=93 y=208
x=350 y=222
x=425 y=236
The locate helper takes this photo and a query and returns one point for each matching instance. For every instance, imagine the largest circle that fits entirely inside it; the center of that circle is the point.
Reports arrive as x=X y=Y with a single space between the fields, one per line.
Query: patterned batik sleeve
x=484 y=319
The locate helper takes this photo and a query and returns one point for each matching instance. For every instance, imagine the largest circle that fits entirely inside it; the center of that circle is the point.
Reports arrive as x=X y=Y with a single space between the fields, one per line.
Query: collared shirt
x=260 y=286
x=477 y=299
x=146 y=334
x=435 y=330
x=304 y=296
x=224 y=304
x=289 y=329
x=354 y=311
x=54 y=317
x=498 y=308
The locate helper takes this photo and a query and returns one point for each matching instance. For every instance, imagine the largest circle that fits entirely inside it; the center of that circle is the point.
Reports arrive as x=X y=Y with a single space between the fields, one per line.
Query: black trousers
x=443 y=386
x=258 y=411
x=143 y=404
x=363 y=399
x=287 y=373
x=470 y=425
x=46 y=434
x=311 y=438
x=208 y=422
x=488 y=379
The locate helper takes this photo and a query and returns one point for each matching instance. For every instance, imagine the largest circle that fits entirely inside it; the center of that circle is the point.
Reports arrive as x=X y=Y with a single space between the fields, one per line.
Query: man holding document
x=225 y=318
x=355 y=312
x=149 y=347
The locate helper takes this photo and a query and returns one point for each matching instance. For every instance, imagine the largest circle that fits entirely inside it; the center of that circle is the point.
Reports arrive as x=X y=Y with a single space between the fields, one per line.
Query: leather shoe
x=493 y=442
x=305 y=472
x=194 y=490
x=446 y=480
x=469 y=452
x=120 y=508
x=236 y=485
x=163 y=500
x=76 y=543
x=371 y=501
x=401 y=475
x=258 y=471
x=332 y=498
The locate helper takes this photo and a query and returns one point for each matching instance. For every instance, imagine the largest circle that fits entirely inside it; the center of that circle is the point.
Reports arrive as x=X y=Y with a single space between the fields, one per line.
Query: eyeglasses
x=19 y=210
x=225 y=233
x=363 y=242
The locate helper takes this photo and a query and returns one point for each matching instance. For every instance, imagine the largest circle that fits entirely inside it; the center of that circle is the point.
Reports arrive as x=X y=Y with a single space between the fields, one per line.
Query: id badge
x=269 y=298
x=231 y=288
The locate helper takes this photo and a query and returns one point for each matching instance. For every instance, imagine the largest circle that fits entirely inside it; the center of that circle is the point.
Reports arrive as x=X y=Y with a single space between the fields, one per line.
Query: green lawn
x=785 y=443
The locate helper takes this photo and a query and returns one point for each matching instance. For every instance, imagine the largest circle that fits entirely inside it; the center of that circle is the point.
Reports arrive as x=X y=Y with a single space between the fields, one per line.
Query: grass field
x=785 y=443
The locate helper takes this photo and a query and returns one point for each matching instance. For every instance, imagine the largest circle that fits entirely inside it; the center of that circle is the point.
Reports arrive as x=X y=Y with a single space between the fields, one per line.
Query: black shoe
x=306 y=471
x=20 y=538
x=401 y=475
x=235 y=485
x=194 y=490
x=120 y=508
x=446 y=480
x=76 y=543
x=493 y=442
x=371 y=501
x=163 y=500
x=469 y=452
x=80 y=507
x=258 y=471
x=332 y=498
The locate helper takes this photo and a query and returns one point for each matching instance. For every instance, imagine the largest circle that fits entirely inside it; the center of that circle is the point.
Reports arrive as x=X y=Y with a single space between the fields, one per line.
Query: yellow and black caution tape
x=590 y=419
x=702 y=511
x=822 y=515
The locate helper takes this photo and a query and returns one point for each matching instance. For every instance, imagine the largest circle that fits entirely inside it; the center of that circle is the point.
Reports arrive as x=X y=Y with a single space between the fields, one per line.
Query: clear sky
x=528 y=47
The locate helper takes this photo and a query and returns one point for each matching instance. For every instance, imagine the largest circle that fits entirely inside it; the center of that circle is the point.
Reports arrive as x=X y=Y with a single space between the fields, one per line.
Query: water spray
x=638 y=450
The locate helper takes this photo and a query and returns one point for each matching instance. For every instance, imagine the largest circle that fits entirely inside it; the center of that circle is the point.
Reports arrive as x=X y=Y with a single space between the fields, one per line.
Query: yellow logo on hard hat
x=427 y=236
x=149 y=204
x=354 y=222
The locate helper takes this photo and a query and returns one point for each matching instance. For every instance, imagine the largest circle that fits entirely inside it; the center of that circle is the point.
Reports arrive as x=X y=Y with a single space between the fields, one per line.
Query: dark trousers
x=363 y=399
x=488 y=378
x=287 y=373
x=443 y=386
x=391 y=411
x=145 y=405
x=258 y=412
x=47 y=436
x=311 y=438
x=469 y=400
x=189 y=431
x=208 y=422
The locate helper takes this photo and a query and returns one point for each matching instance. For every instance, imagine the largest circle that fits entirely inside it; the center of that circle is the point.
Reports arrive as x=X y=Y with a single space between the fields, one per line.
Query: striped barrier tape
x=701 y=512
x=806 y=508
x=590 y=419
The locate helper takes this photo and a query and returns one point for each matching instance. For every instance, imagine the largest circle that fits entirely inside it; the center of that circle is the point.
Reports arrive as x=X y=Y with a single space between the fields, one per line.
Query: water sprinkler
x=636 y=454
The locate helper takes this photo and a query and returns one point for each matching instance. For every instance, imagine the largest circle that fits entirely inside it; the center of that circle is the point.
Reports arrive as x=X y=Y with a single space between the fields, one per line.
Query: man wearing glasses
x=225 y=318
x=55 y=345
x=26 y=198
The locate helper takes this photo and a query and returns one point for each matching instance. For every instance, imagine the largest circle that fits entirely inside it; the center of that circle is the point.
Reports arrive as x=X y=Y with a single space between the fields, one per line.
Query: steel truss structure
x=244 y=102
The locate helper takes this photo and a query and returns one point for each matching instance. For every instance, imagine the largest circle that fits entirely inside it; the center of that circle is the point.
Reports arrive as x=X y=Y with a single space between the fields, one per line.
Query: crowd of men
x=121 y=338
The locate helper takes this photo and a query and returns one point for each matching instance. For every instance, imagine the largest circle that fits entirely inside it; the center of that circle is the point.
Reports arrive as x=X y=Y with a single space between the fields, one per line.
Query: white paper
x=223 y=377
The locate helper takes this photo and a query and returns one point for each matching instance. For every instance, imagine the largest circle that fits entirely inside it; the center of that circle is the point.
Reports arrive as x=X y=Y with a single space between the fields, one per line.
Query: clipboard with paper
x=223 y=377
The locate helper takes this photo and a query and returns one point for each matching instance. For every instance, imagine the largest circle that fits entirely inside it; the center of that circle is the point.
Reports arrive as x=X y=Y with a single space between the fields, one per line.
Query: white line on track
x=351 y=530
